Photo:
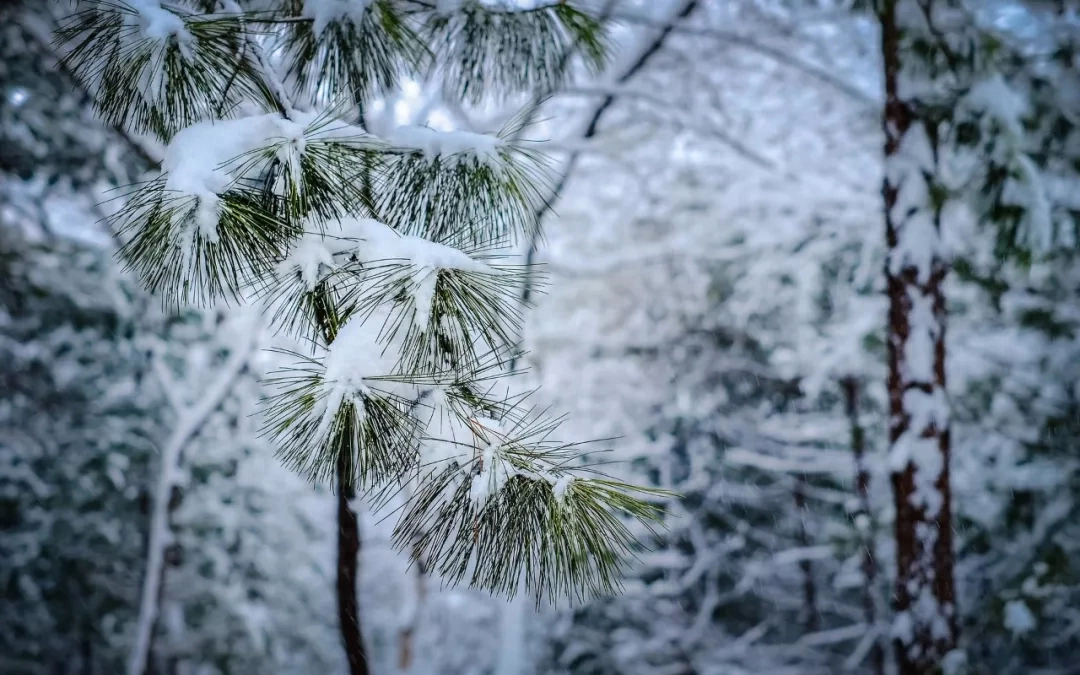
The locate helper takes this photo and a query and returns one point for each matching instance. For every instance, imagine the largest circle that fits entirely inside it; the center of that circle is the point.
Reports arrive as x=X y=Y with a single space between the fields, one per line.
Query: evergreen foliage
x=375 y=249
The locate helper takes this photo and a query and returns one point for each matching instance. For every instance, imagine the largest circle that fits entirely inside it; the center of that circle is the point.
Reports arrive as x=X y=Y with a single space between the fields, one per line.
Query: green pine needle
x=432 y=197
x=159 y=86
x=484 y=51
x=165 y=247
x=359 y=59
x=371 y=428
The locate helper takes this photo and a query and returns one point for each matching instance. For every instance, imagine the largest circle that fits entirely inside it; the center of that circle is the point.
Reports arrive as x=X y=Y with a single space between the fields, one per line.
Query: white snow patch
x=919 y=350
x=1018 y=618
x=199 y=160
x=903 y=628
x=356 y=355
x=495 y=471
x=561 y=486
x=431 y=143
x=158 y=23
x=995 y=98
x=447 y=7
x=1028 y=192
x=373 y=241
x=324 y=12
x=311 y=257
x=926 y=409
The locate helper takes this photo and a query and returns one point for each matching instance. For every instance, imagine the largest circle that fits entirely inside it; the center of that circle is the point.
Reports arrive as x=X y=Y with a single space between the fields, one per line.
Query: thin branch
x=650 y=50
x=776 y=54
x=190 y=420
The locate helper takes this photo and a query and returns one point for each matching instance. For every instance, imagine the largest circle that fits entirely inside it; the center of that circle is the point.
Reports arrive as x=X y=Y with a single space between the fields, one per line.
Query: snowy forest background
x=716 y=306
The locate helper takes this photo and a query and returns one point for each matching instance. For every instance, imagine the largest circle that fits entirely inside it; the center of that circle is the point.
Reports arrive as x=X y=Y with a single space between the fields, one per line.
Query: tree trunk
x=925 y=627
x=864 y=519
x=348 y=550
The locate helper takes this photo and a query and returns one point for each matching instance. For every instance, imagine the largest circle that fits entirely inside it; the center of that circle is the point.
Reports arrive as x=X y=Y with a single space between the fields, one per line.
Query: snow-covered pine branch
x=378 y=250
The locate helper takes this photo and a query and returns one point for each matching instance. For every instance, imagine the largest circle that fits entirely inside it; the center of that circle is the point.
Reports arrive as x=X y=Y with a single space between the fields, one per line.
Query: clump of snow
x=423 y=294
x=927 y=611
x=1018 y=618
x=954 y=663
x=375 y=242
x=997 y=99
x=919 y=349
x=356 y=355
x=561 y=486
x=324 y=12
x=495 y=470
x=1028 y=192
x=482 y=148
x=200 y=158
x=158 y=23
x=918 y=242
x=926 y=409
x=924 y=455
x=903 y=628
x=311 y=257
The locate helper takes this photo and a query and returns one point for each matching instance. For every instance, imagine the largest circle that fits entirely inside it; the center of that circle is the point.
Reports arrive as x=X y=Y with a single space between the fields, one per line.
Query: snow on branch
x=152 y=69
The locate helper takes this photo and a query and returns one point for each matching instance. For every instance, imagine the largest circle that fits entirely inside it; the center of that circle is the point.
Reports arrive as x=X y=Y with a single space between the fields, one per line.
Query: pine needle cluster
x=378 y=251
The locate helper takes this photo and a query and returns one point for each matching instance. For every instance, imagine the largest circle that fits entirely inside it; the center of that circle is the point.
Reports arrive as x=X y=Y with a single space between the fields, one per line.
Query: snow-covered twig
x=187 y=426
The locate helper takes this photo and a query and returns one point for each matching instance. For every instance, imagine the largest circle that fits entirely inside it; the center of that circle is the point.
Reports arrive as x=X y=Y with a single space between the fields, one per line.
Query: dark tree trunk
x=348 y=535
x=926 y=626
x=347 y=568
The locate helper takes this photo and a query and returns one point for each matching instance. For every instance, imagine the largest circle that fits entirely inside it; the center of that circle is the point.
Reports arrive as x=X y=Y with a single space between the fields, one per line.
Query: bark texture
x=925 y=628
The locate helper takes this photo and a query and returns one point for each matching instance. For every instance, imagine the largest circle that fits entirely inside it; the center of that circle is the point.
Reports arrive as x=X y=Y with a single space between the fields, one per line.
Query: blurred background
x=714 y=303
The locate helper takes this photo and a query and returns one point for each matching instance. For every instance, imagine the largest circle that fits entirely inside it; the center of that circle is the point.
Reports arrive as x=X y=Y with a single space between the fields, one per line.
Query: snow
x=324 y=12
x=200 y=158
x=158 y=23
x=423 y=295
x=1018 y=618
x=994 y=97
x=561 y=486
x=927 y=409
x=1029 y=192
x=372 y=242
x=312 y=257
x=482 y=148
x=919 y=355
x=903 y=627
x=918 y=242
x=448 y=7
x=356 y=355
x=448 y=438
x=495 y=470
